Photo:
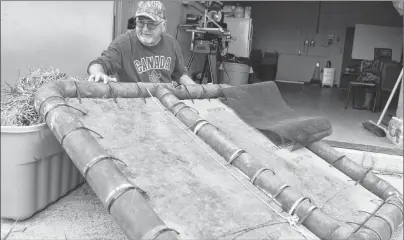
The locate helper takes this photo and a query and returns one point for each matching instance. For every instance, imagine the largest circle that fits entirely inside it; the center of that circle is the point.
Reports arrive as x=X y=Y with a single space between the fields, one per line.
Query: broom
x=376 y=128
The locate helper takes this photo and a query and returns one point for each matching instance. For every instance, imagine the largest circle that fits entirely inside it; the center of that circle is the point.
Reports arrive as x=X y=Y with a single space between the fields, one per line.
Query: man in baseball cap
x=147 y=54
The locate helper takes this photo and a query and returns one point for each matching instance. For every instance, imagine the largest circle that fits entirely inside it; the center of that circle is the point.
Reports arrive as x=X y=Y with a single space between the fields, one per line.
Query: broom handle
x=391 y=97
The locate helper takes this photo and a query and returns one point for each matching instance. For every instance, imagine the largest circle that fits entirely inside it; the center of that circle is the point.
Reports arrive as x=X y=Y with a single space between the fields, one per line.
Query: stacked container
x=35 y=171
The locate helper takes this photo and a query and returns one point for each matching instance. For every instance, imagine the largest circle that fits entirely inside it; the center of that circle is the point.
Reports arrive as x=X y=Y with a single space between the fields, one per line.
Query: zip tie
x=371 y=215
x=338 y=159
x=189 y=94
x=279 y=191
x=364 y=226
x=64 y=137
x=185 y=106
x=309 y=212
x=199 y=126
x=96 y=160
x=140 y=90
x=116 y=193
x=77 y=91
x=382 y=218
x=235 y=155
x=157 y=231
x=258 y=173
x=62 y=104
x=221 y=90
x=46 y=99
x=112 y=92
x=186 y=89
x=297 y=204
x=205 y=92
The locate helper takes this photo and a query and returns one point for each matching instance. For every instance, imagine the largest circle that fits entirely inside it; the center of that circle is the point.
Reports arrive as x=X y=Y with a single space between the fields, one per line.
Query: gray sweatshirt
x=130 y=61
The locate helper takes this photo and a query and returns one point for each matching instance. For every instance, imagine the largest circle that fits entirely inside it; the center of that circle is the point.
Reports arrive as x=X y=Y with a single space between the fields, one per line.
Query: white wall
x=369 y=37
x=65 y=35
x=283 y=26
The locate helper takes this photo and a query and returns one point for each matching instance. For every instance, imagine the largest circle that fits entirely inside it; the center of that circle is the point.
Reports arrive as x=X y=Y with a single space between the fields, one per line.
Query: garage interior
x=312 y=50
x=293 y=43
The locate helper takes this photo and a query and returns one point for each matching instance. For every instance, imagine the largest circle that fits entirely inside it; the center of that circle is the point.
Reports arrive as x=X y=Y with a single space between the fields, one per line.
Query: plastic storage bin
x=35 y=171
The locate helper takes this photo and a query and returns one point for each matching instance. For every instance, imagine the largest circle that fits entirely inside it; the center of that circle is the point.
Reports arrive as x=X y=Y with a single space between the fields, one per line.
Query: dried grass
x=17 y=103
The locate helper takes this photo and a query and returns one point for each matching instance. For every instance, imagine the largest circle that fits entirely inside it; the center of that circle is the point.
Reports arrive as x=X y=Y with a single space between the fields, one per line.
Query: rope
x=112 y=92
x=40 y=105
x=205 y=92
x=140 y=90
x=291 y=219
x=77 y=91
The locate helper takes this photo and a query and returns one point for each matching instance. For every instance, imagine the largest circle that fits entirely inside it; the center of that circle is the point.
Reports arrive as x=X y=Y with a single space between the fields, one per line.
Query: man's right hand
x=101 y=77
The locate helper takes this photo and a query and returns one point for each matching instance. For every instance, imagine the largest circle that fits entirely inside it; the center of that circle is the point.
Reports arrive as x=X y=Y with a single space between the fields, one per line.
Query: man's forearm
x=95 y=68
x=185 y=79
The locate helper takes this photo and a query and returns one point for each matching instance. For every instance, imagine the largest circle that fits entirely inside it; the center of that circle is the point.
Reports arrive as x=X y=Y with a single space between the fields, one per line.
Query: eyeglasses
x=150 y=25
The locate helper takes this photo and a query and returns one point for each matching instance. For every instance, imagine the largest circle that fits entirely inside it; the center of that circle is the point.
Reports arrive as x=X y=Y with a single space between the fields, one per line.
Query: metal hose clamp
x=279 y=191
x=199 y=126
x=185 y=106
x=258 y=173
x=116 y=193
x=311 y=209
x=196 y=123
x=164 y=95
x=96 y=160
x=156 y=231
x=235 y=155
x=297 y=204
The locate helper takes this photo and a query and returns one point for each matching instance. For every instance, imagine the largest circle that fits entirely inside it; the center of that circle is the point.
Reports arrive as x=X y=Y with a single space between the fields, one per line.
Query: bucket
x=35 y=170
x=235 y=74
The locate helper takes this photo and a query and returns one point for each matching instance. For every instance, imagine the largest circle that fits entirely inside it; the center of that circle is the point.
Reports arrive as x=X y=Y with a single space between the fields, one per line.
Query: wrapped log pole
x=313 y=218
x=389 y=216
x=84 y=89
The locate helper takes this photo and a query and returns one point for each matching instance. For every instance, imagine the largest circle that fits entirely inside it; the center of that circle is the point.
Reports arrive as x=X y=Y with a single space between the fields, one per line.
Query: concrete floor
x=330 y=103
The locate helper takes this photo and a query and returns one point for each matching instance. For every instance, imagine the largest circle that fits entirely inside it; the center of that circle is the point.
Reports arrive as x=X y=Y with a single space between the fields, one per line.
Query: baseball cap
x=154 y=10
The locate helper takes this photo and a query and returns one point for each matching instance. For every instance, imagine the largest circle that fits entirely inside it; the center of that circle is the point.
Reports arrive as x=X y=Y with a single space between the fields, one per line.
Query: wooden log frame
x=116 y=192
